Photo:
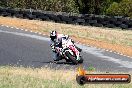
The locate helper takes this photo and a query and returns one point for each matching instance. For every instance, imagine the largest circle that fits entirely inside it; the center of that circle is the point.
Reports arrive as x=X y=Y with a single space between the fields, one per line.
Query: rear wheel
x=81 y=60
x=67 y=60
x=71 y=57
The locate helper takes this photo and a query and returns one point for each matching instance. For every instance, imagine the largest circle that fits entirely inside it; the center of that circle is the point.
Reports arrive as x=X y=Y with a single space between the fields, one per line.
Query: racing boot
x=58 y=57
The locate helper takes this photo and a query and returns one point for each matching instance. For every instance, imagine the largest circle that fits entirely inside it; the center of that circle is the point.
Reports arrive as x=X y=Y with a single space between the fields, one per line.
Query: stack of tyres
x=87 y=18
x=54 y=18
x=73 y=19
x=66 y=19
x=130 y=24
x=27 y=14
x=62 y=17
x=80 y=21
x=99 y=19
x=8 y=12
x=91 y=22
x=41 y=16
x=15 y=13
x=31 y=16
x=124 y=24
x=44 y=18
x=3 y=12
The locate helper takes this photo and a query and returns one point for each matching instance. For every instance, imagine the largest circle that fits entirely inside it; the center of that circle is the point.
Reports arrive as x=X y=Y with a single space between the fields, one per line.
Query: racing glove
x=52 y=47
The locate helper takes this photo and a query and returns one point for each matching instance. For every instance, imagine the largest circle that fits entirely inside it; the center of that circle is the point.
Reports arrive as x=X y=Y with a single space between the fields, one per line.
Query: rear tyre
x=81 y=60
x=71 y=58
x=67 y=60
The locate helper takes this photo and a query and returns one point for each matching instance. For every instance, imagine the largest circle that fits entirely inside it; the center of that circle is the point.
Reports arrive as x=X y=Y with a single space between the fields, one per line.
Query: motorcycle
x=69 y=52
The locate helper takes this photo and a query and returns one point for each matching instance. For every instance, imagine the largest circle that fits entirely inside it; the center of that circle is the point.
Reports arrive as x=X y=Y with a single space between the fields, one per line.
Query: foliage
x=51 y=5
x=113 y=9
x=124 y=8
x=105 y=7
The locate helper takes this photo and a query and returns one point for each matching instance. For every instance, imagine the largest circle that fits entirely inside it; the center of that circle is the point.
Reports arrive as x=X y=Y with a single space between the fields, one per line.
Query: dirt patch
x=115 y=40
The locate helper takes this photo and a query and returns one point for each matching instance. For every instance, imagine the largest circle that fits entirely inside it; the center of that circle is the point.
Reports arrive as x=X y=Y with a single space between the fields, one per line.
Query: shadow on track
x=55 y=62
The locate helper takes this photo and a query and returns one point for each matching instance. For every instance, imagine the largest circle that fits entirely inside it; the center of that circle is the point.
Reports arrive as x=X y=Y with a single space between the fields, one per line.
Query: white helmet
x=53 y=35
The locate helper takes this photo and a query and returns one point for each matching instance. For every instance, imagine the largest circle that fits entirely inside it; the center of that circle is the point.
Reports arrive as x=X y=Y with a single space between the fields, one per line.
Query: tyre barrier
x=70 y=18
x=19 y=15
x=91 y=22
x=117 y=23
x=130 y=24
x=54 y=17
x=67 y=20
x=73 y=17
x=123 y=26
x=105 y=23
x=44 y=18
x=80 y=21
x=97 y=25
x=5 y=14
x=110 y=26
x=31 y=17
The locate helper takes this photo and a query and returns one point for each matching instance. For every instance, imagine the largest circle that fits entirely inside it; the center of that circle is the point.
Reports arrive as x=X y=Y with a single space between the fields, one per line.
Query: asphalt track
x=21 y=48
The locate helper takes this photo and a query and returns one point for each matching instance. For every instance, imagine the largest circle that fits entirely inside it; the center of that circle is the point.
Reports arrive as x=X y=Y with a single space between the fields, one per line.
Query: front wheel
x=71 y=57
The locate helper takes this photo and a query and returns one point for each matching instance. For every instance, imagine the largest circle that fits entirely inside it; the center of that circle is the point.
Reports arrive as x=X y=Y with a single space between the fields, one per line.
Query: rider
x=56 y=41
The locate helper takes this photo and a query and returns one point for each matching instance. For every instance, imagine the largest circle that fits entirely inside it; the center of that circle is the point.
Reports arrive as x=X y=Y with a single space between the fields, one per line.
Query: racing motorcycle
x=69 y=52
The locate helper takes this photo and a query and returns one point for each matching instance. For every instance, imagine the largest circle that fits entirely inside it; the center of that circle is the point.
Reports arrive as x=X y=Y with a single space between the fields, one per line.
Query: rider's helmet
x=53 y=35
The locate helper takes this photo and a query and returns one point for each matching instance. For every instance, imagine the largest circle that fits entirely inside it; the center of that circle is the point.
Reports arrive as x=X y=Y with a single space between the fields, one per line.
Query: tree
x=123 y=8
x=4 y=3
x=113 y=9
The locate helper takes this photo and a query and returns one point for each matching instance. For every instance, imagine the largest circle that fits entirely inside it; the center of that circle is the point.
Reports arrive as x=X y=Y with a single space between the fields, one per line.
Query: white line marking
x=121 y=54
x=124 y=55
x=17 y=28
x=27 y=35
x=106 y=50
x=40 y=33
x=110 y=51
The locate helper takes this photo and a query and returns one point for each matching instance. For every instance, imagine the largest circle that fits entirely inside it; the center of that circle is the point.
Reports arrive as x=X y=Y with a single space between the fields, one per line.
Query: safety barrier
x=70 y=18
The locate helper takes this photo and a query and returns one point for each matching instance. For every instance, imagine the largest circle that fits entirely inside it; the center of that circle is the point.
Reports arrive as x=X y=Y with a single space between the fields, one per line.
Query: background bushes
x=100 y=7
x=124 y=8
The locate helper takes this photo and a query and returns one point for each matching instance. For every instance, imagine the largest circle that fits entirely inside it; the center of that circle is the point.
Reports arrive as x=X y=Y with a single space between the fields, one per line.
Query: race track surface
x=21 y=48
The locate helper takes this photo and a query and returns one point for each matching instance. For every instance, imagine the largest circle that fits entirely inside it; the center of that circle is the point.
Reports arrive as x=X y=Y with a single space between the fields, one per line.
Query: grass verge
x=113 y=39
x=20 y=77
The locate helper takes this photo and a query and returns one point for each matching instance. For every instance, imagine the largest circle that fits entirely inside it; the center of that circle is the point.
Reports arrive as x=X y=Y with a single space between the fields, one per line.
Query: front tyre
x=71 y=58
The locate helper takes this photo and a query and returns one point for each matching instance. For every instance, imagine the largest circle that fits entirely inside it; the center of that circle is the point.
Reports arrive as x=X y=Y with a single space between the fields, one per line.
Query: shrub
x=124 y=8
x=113 y=9
x=50 y=5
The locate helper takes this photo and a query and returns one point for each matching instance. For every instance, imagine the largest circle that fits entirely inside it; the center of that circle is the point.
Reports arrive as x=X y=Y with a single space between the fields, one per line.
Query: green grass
x=20 y=77
x=20 y=81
